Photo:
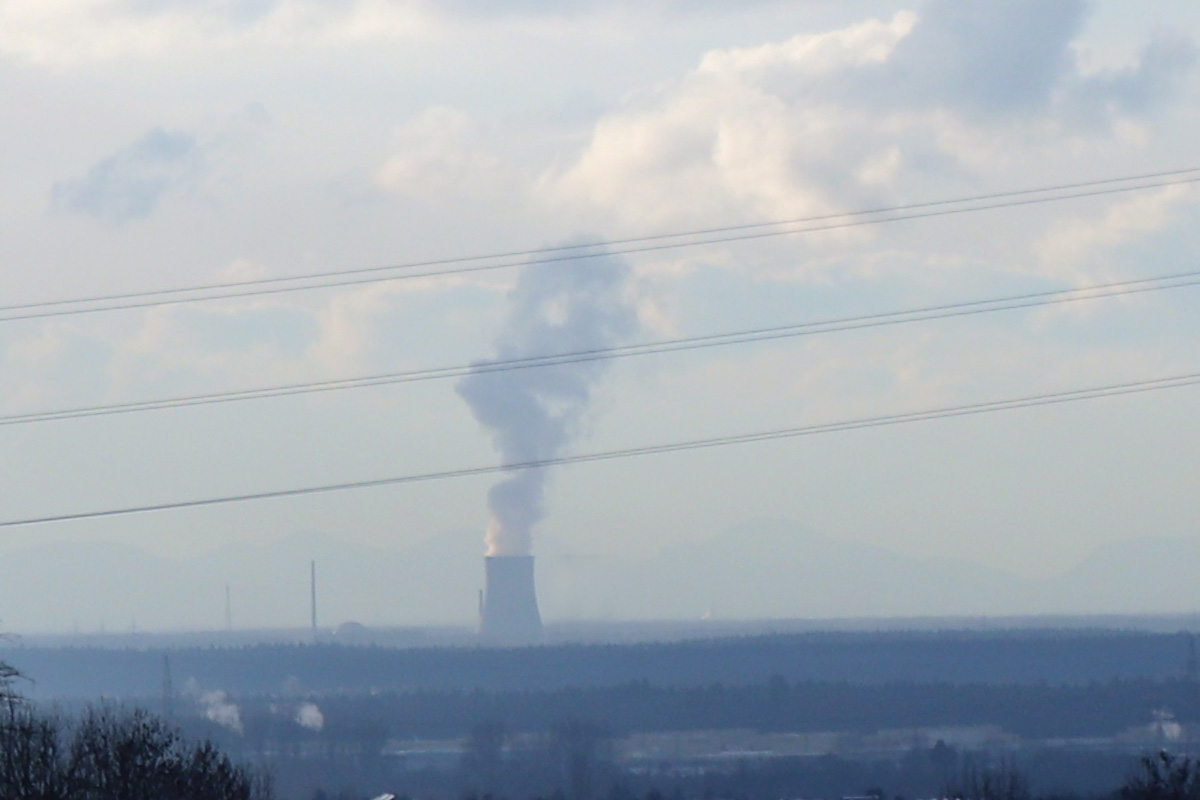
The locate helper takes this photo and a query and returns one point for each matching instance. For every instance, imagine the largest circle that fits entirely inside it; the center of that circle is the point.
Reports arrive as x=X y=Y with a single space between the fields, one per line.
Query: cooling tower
x=510 y=611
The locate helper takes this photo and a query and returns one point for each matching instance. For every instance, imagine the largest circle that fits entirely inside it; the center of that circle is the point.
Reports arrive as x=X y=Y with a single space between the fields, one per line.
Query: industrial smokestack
x=533 y=414
x=510 y=612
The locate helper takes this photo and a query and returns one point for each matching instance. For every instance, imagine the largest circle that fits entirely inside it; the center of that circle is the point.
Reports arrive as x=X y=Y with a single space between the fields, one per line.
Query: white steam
x=532 y=414
x=309 y=716
x=217 y=708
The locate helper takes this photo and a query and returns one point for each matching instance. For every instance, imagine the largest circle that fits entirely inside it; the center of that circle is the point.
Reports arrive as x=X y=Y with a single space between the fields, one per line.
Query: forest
x=1019 y=656
x=889 y=715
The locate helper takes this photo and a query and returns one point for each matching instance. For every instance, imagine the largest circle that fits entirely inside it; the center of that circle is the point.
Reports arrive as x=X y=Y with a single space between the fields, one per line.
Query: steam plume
x=309 y=715
x=533 y=413
x=220 y=709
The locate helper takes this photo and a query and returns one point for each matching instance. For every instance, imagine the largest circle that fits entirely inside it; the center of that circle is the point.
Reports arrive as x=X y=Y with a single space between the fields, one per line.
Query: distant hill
x=779 y=569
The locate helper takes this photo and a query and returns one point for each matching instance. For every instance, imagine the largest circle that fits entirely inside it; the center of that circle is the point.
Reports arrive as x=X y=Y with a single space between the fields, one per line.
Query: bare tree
x=136 y=756
x=111 y=755
x=30 y=756
x=1164 y=777
x=8 y=677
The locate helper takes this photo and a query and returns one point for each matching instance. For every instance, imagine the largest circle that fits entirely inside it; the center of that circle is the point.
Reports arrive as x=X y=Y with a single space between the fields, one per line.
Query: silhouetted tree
x=113 y=755
x=30 y=756
x=1164 y=777
x=8 y=677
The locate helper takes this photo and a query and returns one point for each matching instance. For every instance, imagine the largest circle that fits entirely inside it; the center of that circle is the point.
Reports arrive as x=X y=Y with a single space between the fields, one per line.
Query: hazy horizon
x=797 y=575
x=150 y=147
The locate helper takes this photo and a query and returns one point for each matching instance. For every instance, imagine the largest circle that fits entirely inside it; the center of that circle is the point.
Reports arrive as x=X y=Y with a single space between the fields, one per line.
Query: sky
x=156 y=145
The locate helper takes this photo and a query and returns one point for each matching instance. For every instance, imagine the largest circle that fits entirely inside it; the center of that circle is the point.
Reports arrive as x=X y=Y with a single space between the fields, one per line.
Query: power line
x=1028 y=401
x=928 y=313
x=659 y=242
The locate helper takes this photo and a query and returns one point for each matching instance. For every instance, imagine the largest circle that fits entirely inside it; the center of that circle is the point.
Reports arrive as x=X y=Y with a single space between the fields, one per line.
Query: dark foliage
x=1164 y=777
x=114 y=755
x=8 y=677
x=31 y=758
x=951 y=657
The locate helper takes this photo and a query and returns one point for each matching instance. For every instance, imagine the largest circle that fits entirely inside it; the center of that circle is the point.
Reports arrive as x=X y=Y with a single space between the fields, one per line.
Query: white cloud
x=439 y=156
x=68 y=33
x=346 y=328
x=752 y=133
x=711 y=150
x=130 y=183
x=1152 y=79
x=56 y=367
x=870 y=42
x=959 y=97
x=982 y=57
x=1078 y=240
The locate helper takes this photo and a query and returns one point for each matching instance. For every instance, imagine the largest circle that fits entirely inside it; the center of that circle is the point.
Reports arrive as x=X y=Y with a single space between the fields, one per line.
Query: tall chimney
x=510 y=611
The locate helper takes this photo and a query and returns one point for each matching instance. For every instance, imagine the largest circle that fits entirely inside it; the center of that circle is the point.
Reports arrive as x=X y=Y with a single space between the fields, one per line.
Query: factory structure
x=508 y=608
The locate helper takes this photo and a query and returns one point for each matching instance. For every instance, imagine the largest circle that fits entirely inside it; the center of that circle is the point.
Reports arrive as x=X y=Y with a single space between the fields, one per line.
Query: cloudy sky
x=156 y=145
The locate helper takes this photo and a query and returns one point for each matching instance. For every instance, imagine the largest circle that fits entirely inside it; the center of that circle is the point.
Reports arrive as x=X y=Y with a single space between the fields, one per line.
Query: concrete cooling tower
x=509 y=612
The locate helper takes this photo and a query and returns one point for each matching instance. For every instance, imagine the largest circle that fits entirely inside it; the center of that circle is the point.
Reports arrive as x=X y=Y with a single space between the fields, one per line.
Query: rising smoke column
x=533 y=413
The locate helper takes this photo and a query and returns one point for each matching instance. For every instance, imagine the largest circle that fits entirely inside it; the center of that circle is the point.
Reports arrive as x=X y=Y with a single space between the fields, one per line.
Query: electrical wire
x=1028 y=401
x=567 y=253
x=928 y=313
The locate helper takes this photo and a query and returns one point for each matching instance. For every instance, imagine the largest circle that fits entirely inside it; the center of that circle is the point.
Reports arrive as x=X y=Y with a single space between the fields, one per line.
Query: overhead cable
x=599 y=249
x=1028 y=401
x=928 y=313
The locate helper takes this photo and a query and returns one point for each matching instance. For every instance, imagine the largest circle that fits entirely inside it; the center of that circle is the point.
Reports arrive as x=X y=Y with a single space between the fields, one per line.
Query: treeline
x=349 y=748
x=561 y=744
x=1004 y=657
x=777 y=705
x=576 y=760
